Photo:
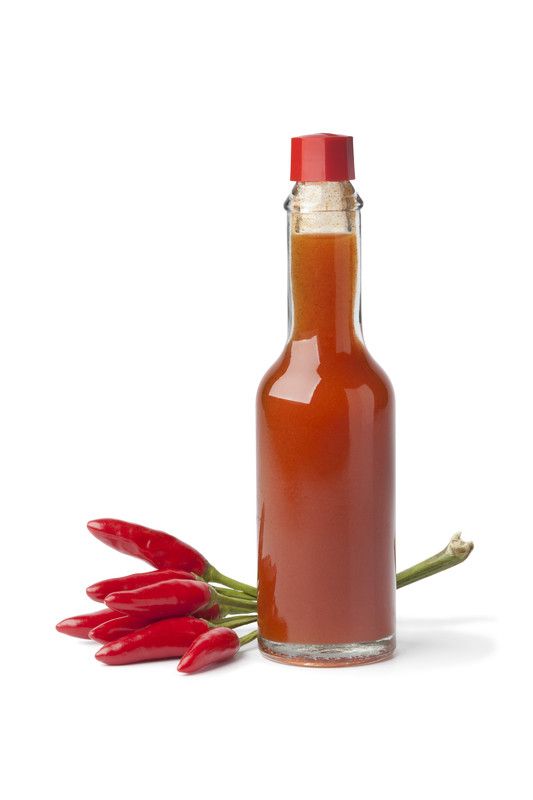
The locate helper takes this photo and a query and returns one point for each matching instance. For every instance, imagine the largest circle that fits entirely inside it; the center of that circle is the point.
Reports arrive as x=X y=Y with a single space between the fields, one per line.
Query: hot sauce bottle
x=325 y=439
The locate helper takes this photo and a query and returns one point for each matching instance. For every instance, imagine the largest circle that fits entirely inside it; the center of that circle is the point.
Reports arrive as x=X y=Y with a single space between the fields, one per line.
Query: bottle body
x=325 y=456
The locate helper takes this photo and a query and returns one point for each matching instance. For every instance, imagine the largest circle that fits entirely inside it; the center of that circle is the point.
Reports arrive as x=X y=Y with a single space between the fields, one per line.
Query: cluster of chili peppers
x=175 y=611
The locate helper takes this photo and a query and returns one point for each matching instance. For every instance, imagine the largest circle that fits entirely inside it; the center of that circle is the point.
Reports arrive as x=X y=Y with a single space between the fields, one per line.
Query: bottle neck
x=324 y=266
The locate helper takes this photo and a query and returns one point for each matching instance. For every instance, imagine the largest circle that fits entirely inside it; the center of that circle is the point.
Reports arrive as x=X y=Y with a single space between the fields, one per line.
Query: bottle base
x=329 y=655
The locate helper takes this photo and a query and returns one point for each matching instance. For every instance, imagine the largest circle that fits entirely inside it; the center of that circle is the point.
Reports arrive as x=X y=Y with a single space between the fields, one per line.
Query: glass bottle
x=325 y=440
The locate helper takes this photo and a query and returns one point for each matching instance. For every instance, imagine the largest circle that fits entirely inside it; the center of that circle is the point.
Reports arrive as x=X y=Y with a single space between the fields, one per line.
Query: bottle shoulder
x=301 y=370
x=380 y=374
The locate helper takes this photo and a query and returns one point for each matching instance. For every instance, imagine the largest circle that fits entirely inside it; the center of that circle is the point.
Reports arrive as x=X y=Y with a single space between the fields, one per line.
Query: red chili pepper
x=114 y=629
x=81 y=625
x=167 y=638
x=157 y=548
x=212 y=647
x=174 y=598
x=99 y=591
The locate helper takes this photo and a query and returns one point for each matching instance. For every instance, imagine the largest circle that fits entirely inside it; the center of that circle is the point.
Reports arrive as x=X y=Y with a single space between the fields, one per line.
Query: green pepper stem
x=248 y=638
x=235 y=622
x=454 y=553
x=215 y=576
x=234 y=603
x=232 y=593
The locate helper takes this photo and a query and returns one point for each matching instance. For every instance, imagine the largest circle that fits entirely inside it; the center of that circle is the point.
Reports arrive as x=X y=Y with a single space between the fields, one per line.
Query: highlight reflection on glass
x=304 y=361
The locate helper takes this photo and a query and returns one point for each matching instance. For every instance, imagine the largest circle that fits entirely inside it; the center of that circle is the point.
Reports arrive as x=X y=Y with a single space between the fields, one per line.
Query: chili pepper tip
x=80 y=625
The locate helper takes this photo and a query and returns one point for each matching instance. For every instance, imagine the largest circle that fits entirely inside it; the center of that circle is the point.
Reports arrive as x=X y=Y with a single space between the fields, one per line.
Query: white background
x=144 y=162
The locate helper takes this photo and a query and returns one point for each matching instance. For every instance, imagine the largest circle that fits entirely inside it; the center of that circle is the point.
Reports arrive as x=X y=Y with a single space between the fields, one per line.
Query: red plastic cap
x=322 y=157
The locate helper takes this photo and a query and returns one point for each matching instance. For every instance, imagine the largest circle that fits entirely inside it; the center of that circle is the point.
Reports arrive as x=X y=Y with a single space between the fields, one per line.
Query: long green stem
x=235 y=603
x=454 y=553
x=232 y=593
x=248 y=638
x=215 y=576
x=235 y=622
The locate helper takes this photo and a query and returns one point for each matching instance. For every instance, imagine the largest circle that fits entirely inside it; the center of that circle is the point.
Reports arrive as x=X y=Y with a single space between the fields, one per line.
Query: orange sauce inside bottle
x=325 y=418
